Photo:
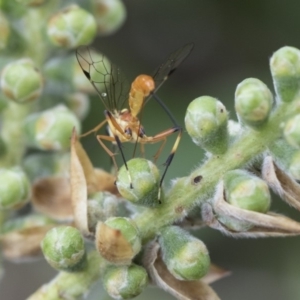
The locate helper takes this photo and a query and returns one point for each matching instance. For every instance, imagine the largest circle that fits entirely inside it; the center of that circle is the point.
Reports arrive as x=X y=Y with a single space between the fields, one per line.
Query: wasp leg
x=113 y=124
x=160 y=137
x=100 y=139
x=98 y=127
x=161 y=147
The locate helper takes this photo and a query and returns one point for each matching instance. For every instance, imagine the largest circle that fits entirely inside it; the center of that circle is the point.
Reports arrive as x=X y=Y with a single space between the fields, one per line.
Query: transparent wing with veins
x=107 y=79
x=163 y=72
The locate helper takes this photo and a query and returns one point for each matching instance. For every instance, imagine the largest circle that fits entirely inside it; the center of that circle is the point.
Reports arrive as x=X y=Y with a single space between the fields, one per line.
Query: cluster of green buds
x=228 y=192
x=44 y=96
x=14 y=188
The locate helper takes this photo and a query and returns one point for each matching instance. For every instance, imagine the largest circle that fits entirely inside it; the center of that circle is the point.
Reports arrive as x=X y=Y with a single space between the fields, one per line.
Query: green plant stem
x=185 y=194
x=37 y=43
x=71 y=285
x=14 y=114
x=12 y=133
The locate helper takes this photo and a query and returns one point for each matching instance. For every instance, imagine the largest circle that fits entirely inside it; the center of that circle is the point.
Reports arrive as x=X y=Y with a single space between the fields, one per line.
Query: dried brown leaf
x=215 y=273
x=86 y=164
x=264 y=225
x=23 y=244
x=78 y=182
x=112 y=245
x=181 y=290
x=287 y=188
x=52 y=197
x=105 y=182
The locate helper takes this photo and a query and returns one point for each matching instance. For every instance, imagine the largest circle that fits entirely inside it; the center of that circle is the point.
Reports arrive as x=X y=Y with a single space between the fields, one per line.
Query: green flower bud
x=21 y=81
x=294 y=168
x=28 y=221
x=78 y=103
x=247 y=191
x=129 y=231
x=102 y=206
x=72 y=27
x=185 y=256
x=4 y=31
x=145 y=182
x=286 y=157
x=253 y=101
x=40 y=165
x=285 y=69
x=109 y=14
x=51 y=129
x=282 y=152
x=125 y=282
x=206 y=123
x=59 y=72
x=292 y=131
x=63 y=248
x=14 y=188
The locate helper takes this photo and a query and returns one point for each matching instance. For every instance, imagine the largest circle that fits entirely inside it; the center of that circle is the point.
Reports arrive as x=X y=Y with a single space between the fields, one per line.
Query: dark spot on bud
x=198 y=178
x=179 y=209
x=221 y=110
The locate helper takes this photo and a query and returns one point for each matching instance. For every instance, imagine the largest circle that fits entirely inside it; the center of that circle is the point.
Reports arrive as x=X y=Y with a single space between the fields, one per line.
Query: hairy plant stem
x=14 y=114
x=185 y=193
x=12 y=133
x=71 y=285
x=37 y=44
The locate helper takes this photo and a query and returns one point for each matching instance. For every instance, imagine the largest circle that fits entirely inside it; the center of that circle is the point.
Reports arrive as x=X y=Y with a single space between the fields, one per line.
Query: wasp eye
x=128 y=131
x=142 y=132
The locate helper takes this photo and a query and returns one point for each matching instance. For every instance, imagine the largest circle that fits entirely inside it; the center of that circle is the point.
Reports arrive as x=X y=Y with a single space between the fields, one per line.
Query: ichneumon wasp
x=123 y=124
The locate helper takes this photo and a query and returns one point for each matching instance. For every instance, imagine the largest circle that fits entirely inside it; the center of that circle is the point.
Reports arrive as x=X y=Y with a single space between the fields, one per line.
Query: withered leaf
x=181 y=290
x=79 y=185
x=287 y=188
x=263 y=225
x=85 y=180
x=112 y=245
x=23 y=244
x=52 y=197
x=215 y=273
x=105 y=182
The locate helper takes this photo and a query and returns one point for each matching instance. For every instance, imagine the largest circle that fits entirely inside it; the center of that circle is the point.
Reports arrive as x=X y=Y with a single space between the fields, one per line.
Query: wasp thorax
x=144 y=83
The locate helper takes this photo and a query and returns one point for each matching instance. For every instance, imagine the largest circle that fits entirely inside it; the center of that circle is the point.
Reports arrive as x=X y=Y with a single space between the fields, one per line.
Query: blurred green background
x=233 y=40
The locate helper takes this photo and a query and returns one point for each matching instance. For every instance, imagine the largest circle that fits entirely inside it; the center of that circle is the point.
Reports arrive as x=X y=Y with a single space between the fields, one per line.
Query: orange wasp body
x=124 y=124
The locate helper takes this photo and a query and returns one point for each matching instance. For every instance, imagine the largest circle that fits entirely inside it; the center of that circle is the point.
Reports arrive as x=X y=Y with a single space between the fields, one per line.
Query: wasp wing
x=163 y=72
x=107 y=79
